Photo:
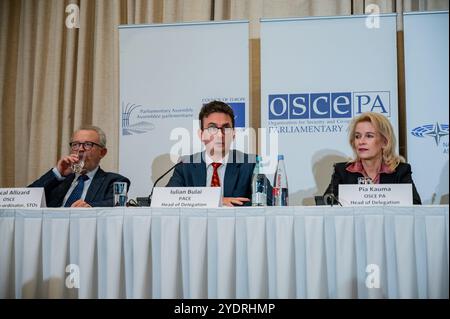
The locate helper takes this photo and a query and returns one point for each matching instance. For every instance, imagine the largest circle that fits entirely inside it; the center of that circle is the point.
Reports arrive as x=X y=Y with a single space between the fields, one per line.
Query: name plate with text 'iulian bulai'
x=33 y=197
x=186 y=197
x=376 y=194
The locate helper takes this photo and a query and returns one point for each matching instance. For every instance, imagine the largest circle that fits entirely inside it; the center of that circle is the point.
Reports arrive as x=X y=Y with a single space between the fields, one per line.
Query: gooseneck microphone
x=330 y=196
x=160 y=178
x=146 y=201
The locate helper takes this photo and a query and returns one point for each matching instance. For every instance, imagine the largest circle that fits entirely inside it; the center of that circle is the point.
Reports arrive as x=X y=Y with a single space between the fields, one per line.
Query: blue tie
x=77 y=191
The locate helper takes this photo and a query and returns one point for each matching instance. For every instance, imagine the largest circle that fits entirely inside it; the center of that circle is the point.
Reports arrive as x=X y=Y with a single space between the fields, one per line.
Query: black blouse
x=401 y=175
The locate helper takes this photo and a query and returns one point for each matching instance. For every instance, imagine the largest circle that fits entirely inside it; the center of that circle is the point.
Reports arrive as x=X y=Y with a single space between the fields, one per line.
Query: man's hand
x=80 y=203
x=64 y=164
x=234 y=201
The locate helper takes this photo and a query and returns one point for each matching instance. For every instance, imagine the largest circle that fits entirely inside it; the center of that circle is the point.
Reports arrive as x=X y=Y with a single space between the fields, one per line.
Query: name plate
x=33 y=197
x=186 y=197
x=375 y=194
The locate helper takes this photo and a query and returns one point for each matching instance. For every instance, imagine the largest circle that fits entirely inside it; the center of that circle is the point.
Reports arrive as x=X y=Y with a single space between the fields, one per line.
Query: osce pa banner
x=167 y=72
x=316 y=75
x=426 y=77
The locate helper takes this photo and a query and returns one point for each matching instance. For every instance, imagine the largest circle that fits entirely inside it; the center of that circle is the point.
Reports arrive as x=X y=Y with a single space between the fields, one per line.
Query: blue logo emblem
x=436 y=131
x=129 y=128
x=328 y=105
x=239 y=113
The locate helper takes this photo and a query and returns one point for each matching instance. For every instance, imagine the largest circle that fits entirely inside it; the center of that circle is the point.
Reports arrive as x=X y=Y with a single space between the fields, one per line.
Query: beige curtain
x=53 y=79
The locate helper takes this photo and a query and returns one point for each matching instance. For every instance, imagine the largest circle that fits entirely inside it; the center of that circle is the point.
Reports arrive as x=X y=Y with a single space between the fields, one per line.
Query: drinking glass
x=78 y=166
x=120 y=193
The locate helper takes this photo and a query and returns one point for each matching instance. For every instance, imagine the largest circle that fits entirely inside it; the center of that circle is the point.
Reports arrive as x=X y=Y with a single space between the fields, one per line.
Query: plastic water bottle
x=259 y=185
x=280 y=193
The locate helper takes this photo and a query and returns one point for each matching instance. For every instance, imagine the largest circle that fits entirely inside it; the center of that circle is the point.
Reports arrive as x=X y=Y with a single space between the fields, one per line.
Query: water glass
x=77 y=167
x=120 y=193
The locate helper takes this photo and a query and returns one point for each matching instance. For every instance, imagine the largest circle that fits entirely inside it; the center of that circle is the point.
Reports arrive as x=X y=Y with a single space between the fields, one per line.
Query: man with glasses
x=77 y=180
x=217 y=166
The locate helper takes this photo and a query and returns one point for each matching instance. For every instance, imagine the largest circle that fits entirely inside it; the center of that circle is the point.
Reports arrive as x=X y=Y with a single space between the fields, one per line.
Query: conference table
x=251 y=252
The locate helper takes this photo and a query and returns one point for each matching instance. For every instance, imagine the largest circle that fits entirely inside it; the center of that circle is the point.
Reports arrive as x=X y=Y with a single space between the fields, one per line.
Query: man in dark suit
x=217 y=166
x=91 y=186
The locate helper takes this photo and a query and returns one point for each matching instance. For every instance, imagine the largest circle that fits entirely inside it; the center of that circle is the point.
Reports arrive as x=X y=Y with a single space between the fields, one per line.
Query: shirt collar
x=208 y=160
x=90 y=174
x=357 y=167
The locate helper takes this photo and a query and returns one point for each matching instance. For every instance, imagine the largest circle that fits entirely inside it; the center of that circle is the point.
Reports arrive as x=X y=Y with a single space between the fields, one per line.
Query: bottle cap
x=281 y=157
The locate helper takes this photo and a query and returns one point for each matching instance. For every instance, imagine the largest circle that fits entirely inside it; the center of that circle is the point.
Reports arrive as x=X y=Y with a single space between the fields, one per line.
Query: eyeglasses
x=75 y=146
x=213 y=130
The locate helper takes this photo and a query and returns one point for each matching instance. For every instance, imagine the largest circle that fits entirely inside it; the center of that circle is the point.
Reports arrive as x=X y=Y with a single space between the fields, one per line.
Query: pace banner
x=316 y=75
x=426 y=77
x=167 y=72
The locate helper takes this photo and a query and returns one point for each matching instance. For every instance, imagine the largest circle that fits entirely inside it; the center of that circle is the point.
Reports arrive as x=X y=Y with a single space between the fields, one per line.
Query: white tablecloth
x=291 y=252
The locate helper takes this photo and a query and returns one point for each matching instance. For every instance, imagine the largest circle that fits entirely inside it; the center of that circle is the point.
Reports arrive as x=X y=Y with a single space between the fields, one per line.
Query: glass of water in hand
x=78 y=166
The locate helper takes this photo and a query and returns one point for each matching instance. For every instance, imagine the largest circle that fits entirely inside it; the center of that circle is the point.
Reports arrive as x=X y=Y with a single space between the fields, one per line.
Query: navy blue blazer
x=401 y=175
x=237 y=179
x=99 y=194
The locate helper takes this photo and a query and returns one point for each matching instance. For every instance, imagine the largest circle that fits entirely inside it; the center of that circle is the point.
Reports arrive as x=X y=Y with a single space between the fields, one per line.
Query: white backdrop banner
x=167 y=72
x=426 y=77
x=316 y=75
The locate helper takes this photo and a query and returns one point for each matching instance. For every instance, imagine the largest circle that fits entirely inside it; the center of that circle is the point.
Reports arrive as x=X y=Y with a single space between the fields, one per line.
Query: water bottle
x=280 y=194
x=259 y=185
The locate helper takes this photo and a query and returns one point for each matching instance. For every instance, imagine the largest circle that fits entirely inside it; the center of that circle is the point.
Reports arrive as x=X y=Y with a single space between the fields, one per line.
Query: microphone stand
x=148 y=200
x=331 y=194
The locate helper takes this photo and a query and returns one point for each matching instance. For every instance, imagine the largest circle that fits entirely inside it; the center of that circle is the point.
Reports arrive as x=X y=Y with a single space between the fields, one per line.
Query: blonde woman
x=375 y=160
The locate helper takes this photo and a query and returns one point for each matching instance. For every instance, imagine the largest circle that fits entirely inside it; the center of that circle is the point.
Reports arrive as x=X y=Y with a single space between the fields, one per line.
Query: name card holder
x=375 y=194
x=33 y=197
x=186 y=197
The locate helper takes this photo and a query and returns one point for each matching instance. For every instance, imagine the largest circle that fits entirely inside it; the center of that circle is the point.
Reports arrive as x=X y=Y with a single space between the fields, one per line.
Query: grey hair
x=101 y=134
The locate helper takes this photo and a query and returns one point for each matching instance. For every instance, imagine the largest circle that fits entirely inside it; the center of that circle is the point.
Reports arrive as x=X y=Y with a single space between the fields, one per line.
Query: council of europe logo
x=129 y=128
x=239 y=113
x=237 y=107
x=436 y=131
x=327 y=105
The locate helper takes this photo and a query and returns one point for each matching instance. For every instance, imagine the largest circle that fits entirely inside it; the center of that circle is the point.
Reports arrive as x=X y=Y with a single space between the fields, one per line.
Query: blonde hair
x=384 y=127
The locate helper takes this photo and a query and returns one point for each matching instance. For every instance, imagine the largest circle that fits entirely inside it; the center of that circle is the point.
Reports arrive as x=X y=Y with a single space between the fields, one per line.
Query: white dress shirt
x=210 y=169
x=87 y=183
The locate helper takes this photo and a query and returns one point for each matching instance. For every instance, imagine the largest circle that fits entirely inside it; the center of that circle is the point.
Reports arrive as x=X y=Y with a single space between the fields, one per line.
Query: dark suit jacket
x=99 y=194
x=237 y=179
x=401 y=175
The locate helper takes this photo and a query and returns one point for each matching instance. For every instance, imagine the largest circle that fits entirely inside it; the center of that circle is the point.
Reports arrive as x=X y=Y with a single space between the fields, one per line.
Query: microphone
x=146 y=201
x=160 y=178
x=331 y=195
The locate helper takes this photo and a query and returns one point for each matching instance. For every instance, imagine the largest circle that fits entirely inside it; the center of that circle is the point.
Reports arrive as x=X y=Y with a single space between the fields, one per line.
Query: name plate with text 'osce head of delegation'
x=375 y=194
x=186 y=197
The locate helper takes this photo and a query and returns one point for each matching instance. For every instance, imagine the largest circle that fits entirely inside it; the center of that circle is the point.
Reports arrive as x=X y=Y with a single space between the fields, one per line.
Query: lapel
x=96 y=183
x=199 y=172
x=61 y=191
x=387 y=178
x=231 y=174
x=354 y=178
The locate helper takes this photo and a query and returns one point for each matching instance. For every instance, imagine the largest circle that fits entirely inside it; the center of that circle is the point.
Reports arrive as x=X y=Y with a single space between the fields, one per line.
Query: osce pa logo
x=327 y=105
